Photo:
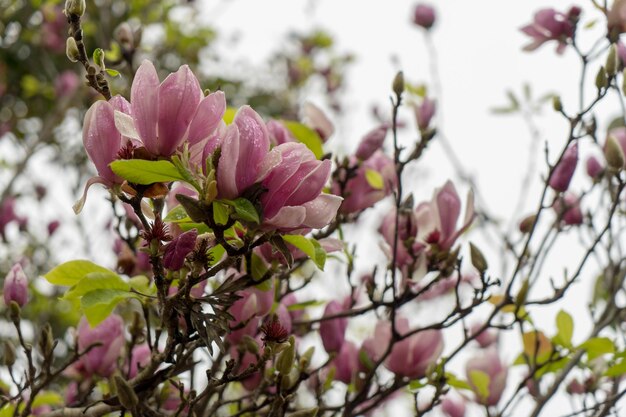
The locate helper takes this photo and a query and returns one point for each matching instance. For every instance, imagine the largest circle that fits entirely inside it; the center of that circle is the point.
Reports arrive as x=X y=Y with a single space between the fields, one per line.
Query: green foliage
x=310 y=247
x=307 y=136
x=140 y=171
x=597 y=346
x=70 y=273
x=374 y=179
x=244 y=210
x=480 y=381
x=565 y=328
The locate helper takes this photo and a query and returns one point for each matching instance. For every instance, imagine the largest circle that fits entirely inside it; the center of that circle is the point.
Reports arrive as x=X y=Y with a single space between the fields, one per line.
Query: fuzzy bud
x=398 y=83
x=124 y=35
x=614 y=154
x=611 y=61
x=527 y=223
x=75 y=7
x=557 y=105
x=125 y=393
x=285 y=360
x=594 y=168
x=8 y=357
x=71 y=49
x=424 y=16
x=601 y=79
x=478 y=259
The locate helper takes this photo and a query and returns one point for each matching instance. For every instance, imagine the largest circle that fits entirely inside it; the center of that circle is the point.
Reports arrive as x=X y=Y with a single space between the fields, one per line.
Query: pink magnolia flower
x=246 y=311
x=245 y=157
x=567 y=207
x=594 y=168
x=333 y=332
x=616 y=18
x=139 y=358
x=279 y=134
x=16 y=286
x=407 y=248
x=315 y=118
x=548 y=25
x=488 y=362
x=453 y=408
x=346 y=363
x=372 y=142
x=424 y=16
x=294 y=197
x=486 y=338
x=409 y=357
x=247 y=359
x=359 y=193
x=100 y=360
x=164 y=115
x=437 y=219
x=424 y=113
x=564 y=171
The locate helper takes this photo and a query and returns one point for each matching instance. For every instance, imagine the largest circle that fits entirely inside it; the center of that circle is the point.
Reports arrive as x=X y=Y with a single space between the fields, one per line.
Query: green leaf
x=7 y=411
x=97 y=281
x=98 y=57
x=258 y=267
x=565 y=328
x=374 y=179
x=140 y=171
x=244 y=210
x=69 y=273
x=455 y=382
x=305 y=304
x=176 y=215
x=113 y=73
x=220 y=213
x=416 y=385
x=229 y=115
x=480 y=382
x=98 y=305
x=598 y=346
x=47 y=398
x=304 y=134
x=618 y=369
x=310 y=247
x=216 y=253
x=141 y=283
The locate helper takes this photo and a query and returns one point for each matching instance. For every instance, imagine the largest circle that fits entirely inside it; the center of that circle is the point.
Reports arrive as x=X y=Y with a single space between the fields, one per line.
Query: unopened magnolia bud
x=398 y=83
x=601 y=79
x=46 y=340
x=522 y=294
x=614 y=154
x=251 y=345
x=306 y=357
x=124 y=35
x=76 y=7
x=71 y=49
x=14 y=312
x=8 y=355
x=527 y=224
x=16 y=286
x=125 y=393
x=478 y=260
x=556 y=103
x=611 y=61
x=311 y=412
x=285 y=360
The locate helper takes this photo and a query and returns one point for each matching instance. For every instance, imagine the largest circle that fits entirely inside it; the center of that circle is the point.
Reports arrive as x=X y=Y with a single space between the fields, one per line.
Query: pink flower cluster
x=550 y=25
x=162 y=118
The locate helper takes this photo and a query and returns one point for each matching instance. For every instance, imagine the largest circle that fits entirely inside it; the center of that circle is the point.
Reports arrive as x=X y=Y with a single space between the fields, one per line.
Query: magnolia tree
x=229 y=219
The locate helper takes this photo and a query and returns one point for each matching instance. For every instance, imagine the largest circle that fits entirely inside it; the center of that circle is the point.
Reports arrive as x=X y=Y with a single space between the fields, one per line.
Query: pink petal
x=144 y=98
x=179 y=96
x=227 y=167
x=125 y=125
x=254 y=145
x=288 y=218
x=448 y=208
x=101 y=139
x=208 y=116
x=321 y=211
x=78 y=206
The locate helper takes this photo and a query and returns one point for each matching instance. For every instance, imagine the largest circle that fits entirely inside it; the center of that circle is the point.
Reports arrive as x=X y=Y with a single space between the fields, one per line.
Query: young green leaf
x=98 y=305
x=480 y=381
x=69 y=273
x=565 y=328
x=97 y=281
x=244 y=210
x=374 y=179
x=304 y=134
x=140 y=171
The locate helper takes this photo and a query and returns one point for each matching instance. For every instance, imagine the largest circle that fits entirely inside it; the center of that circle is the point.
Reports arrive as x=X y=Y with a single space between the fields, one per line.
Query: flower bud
x=611 y=61
x=71 y=49
x=557 y=105
x=594 y=168
x=601 y=79
x=125 y=393
x=124 y=35
x=75 y=7
x=563 y=172
x=333 y=331
x=8 y=357
x=478 y=259
x=16 y=286
x=371 y=142
x=527 y=223
x=490 y=364
x=614 y=154
x=424 y=113
x=285 y=360
x=398 y=83
x=424 y=16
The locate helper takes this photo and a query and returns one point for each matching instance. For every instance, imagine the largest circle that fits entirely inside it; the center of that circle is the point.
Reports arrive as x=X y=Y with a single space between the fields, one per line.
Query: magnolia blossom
x=409 y=357
x=424 y=113
x=564 y=171
x=424 y=16
x=346 y=363
x=453 y=408
x=102 y=359
x=407 y=248
x=315 y=118
x=372 y=142
x=567 y=207
x=485 y=338
x=333 y=331
x=359 y=192
x=594 y=168
x=548 y=25
x=488 y=363
x=246 y=311
x=139 y=358
x=294 y=195
x=279 y=134
x=16 y=286
x=437 y=219
x=616 y=18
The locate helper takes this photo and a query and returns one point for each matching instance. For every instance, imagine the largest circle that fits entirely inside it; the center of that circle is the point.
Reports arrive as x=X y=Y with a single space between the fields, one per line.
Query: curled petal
x=78 y=206
x=321 y=211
